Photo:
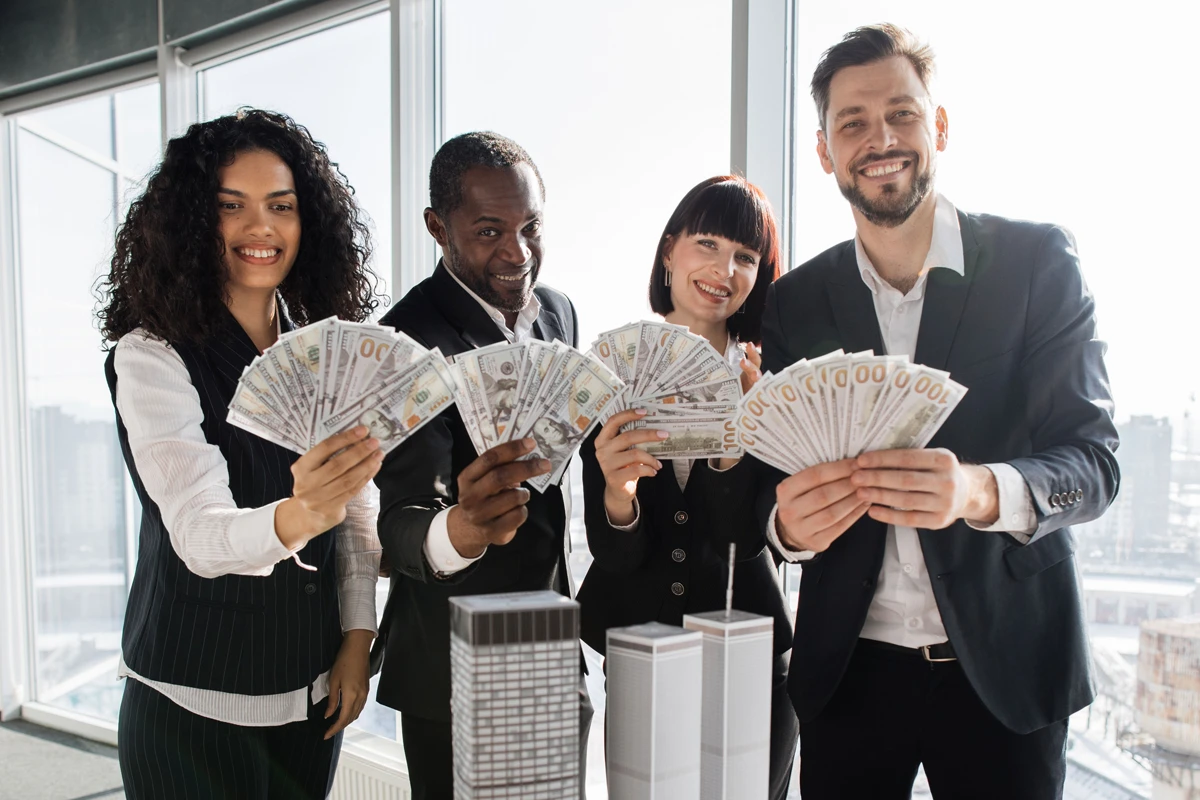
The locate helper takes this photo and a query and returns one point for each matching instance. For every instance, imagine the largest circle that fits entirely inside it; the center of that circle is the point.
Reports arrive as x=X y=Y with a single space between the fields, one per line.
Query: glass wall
x=76 y=167
x=621 y=122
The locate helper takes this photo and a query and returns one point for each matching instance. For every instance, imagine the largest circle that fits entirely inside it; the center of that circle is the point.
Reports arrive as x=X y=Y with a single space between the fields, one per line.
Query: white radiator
x=370 y=768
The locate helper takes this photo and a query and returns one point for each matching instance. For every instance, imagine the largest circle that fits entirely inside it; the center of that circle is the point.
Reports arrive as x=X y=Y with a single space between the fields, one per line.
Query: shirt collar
x=945 y=248
x=525 y=319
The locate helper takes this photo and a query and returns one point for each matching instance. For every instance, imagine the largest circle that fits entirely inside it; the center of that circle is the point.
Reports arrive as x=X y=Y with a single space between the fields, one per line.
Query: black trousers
x=429 y=751
x=894 y=711
x=166 y=751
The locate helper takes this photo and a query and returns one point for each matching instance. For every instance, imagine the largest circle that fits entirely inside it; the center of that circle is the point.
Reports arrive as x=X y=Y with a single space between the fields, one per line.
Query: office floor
x=41 y=764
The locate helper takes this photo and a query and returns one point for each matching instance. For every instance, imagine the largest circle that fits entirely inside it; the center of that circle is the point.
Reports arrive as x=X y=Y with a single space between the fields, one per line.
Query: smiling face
x=711 y=276
x=881 y=139
x=493 y=240
x=259 y=219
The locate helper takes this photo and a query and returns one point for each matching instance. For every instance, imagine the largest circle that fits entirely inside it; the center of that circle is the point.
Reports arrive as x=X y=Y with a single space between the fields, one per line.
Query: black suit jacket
x=420 y=478
x=1019 y=331
x=676 y=561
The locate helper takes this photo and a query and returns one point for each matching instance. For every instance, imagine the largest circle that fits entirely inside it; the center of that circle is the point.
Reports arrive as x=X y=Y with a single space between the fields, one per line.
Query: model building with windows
x=514 y=696
x=735 y=730
x=654 y=700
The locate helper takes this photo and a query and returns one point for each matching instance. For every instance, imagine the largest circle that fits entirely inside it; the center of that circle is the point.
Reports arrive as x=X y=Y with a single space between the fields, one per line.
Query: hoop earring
x=668 y=277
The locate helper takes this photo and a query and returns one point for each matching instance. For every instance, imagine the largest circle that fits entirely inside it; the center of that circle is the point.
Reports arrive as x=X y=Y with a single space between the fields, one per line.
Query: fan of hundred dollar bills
x=686 y=387
x=330 y=376
x=550 y=392
x=842 y=405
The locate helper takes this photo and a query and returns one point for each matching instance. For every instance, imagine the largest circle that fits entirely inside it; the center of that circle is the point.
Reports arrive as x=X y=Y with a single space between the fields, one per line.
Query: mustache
x=872 y=158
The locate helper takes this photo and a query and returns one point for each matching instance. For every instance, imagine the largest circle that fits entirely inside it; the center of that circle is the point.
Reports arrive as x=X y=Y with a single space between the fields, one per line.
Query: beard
x=478 y=283
x=893 y=207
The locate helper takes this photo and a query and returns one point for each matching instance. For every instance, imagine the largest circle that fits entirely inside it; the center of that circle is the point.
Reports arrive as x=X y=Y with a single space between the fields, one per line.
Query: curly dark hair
x=477 y=149
x=168 y=273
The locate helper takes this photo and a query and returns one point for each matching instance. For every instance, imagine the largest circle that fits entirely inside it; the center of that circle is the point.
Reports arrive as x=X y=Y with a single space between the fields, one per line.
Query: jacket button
x=678 y=555
x=681 y=517
x=1078 y=495
x=1055 y=499
x=677 y=588
x=310 y=588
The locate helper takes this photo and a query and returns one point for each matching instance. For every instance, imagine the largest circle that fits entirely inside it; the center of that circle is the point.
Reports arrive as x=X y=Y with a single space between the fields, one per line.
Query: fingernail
x=662 y=434
x=360 y=431
x=379 y=455
x=372 y=443
x=527 y=444
x=641 y=412
x=544 y=464
x=658 y=464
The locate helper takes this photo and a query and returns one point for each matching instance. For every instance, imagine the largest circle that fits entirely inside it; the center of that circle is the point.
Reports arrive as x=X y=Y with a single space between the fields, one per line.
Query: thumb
x=335 y=693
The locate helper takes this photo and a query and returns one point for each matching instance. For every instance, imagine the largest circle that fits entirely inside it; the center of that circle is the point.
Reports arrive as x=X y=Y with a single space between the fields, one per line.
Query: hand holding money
x=623 y=463
x=491 y=500
x=927 y=489
x=325 y=479
x=817 y=505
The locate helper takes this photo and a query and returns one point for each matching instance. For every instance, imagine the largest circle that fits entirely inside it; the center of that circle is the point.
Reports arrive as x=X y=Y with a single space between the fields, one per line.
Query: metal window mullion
x=417 y=106
x=761 y=104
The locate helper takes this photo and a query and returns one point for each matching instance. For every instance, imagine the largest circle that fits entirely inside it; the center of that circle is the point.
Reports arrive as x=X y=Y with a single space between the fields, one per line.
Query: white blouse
x=188 y=479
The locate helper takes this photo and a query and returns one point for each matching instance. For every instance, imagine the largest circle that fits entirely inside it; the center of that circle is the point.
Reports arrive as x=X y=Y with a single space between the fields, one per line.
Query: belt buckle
x=925 y=652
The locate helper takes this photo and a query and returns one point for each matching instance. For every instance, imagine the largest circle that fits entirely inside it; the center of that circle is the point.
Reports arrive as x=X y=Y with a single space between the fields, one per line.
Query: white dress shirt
x=188 y=479
x=439 y=550
x=904 y=611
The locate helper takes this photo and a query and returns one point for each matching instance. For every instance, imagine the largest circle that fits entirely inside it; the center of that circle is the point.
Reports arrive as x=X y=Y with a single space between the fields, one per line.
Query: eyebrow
x=498 y=221
x=236 y=193
x=898 y=100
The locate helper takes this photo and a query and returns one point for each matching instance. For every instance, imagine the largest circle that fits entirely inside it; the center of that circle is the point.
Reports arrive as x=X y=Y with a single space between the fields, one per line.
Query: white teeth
x=258 y=253
x=511 y=278
x=875 y=172
x=714 y=292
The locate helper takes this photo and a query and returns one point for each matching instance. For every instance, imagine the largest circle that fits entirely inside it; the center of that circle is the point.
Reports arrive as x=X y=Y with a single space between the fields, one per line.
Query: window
x=623 y=108
x=76 y=167
x=1052 y=122
x=335 y=83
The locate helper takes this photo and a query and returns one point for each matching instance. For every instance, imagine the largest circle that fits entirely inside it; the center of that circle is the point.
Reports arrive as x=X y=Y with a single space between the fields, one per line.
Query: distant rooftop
x=1188 y=627
x=1133 y=584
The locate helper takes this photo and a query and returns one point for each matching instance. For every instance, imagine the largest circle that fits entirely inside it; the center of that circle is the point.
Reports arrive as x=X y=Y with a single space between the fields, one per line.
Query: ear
x=823 y=153
x=436 y=228
x=942 y=122
x=668 y=248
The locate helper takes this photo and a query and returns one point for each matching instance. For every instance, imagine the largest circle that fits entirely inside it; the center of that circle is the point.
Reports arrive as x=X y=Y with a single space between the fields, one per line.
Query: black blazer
x=420 y=478
x=675 y=561
x=1019 y=331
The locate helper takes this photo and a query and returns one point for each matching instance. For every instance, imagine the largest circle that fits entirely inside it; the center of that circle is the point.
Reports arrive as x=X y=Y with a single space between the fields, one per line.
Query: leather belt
x=933 y=653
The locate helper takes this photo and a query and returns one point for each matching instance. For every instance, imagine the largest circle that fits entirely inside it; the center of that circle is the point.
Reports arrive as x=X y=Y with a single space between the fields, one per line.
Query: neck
x=255 y=311
x=716 y=332
x=898 y=254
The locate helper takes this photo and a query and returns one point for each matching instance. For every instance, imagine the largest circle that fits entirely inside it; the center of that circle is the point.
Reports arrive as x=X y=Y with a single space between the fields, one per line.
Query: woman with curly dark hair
x=252 y=609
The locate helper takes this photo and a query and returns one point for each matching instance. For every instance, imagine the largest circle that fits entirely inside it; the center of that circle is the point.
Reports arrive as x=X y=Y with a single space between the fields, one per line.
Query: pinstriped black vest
x=234 y=633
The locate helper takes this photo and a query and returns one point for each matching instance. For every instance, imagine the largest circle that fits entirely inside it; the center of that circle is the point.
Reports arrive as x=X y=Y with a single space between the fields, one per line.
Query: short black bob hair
x=731 y=207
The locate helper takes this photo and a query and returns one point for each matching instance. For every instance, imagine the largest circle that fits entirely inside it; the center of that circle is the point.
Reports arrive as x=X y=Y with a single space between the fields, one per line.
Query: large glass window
x=624 y=107
x=335 y=83
x=1054 y=122
x=76 y=166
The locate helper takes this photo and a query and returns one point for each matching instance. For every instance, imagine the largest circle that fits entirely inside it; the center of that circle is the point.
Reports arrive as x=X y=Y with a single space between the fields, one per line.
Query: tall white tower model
x=654 y=712
x=735 y=732
x=514 y=696
x=1168 y=705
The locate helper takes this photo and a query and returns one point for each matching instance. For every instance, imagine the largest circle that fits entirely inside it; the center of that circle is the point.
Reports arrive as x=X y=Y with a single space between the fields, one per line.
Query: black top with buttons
x=674 y=562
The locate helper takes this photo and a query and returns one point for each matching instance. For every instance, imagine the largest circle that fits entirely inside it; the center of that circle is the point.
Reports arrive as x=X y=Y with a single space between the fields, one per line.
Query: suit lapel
x=945 y=297
x=853 y=306
x=549 y=327
x=462 y=311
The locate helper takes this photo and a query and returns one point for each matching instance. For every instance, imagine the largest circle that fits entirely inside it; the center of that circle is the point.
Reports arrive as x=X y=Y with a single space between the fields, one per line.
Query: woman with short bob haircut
x=252 y=609
x=660 y=537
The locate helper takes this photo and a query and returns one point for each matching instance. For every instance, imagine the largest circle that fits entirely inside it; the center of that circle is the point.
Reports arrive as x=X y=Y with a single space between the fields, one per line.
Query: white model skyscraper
x=514 y=696
x=735 y=748
x=654 y=712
